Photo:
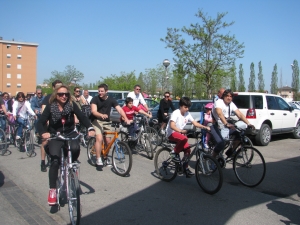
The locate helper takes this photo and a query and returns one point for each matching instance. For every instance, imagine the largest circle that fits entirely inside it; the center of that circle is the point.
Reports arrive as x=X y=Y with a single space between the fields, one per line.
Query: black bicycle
x=208 y=171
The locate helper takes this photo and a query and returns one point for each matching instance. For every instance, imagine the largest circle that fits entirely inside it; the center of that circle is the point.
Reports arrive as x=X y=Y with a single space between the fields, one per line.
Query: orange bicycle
x=121 y=153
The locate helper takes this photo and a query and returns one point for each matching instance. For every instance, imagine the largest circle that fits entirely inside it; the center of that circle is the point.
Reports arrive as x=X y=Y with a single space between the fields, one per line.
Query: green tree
x=251 y=86
x=67 y=76
x=295 y=80
x=274 y=81
x=241 y=86
x=209 y=52
x=233 y=80
x=261 y=83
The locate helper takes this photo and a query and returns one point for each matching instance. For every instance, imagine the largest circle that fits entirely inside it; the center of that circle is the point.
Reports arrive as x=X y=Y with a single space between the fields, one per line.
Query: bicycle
x=11 y=130
x=28 y=137
x=145 y=139
x=208 y=172
x=248 y=163
x=3 y=140
x=121 y=153
x=68 y=181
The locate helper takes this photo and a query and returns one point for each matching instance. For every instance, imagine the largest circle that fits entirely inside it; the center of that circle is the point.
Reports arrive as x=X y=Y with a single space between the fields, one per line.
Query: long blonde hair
x=54 y=94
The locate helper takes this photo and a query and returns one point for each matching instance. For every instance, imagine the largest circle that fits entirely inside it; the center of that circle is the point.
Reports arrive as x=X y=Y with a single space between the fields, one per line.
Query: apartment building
x=18 y=66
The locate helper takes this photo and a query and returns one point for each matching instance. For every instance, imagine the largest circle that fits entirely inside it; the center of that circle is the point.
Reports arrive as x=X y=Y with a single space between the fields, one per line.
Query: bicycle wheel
x=12 y=135
x=29 y=143
x=164 y=166
x=209 y=174
x=121 y=158
x=91 y=151
x=123 y=136
x=73 y=198
x=3 y=142
x=249 y=166
x=146 y=144
x=153 y=137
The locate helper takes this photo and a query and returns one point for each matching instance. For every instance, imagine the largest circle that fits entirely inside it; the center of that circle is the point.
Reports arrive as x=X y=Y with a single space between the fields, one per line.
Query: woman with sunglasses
x=163 y=111
x=60 y=113
x=21 y=108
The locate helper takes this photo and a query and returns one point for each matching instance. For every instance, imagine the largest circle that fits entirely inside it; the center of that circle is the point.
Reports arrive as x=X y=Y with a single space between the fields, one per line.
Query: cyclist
x=177 y=122
x=208 y=119
x=60 y=113
x=3 y=112
x=20 y=110
x=45 y=102
x=36 y=106
x=162 y=115
x=100 y=108
x=130 y=110
x=222 y=128
x=87 y=96
x=138 y=98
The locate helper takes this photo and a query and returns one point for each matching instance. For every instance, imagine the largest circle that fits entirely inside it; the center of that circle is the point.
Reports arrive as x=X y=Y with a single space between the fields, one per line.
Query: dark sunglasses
x=62 y=94
x=39 y=93
x=20 y=97
x=138 y=89
x=167 y=96
x=77 y=91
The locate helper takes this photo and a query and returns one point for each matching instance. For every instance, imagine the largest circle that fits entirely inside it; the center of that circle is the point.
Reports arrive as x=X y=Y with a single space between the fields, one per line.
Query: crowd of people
x=61 y=111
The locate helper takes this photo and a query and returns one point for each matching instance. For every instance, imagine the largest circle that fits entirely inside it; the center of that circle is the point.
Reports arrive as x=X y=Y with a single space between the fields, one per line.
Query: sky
x=100 y=38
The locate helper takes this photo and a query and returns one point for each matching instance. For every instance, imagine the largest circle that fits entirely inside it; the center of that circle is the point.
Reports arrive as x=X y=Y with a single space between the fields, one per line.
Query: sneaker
x=175 y=157
x=99 y=165
x=43 y=168
x=162 y=132
x=18 y=137
x=206 y=146
x=52 y=197
x=188 y=173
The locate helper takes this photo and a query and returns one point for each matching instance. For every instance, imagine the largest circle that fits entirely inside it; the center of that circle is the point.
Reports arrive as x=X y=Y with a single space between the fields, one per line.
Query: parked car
x=294 y=105
x=270 y=114
x=197 y=107
x=115 y=116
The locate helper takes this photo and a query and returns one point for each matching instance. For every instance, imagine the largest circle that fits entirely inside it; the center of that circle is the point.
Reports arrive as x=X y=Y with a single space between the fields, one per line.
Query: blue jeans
x=21 y=125
x=3 y=123
x=132 y=128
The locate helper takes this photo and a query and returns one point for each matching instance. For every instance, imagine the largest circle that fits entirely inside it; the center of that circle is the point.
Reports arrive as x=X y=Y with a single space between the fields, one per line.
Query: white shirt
x=88 y=99
x=225 y=110
x=136 y=98
x=179 y=119
x=23 y=111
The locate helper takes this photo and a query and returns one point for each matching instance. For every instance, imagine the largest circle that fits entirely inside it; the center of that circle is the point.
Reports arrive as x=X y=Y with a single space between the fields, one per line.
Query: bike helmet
x=209 y=105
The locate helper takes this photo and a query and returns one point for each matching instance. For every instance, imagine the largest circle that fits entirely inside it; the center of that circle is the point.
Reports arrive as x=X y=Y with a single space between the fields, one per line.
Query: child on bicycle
x=130 y=110
x=208 y=119
x=175 y=132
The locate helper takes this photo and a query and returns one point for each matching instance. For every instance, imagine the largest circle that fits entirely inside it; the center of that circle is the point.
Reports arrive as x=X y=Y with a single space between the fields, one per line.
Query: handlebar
x=61 y=137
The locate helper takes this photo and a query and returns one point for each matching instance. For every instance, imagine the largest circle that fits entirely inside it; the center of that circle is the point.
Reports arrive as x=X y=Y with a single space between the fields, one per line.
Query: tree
x=295 y=80
x=241 y=86
x=233 y=81
x=261 y=83
x=274 y=80
x=66 y=76
x=210 y=51
x=251 y=86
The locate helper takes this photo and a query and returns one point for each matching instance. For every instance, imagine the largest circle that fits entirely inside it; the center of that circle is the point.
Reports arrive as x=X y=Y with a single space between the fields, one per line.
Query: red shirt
x=130 y=112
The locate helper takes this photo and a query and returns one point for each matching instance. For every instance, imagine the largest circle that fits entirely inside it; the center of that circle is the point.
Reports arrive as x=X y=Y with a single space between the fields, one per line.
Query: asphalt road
x=142 y=198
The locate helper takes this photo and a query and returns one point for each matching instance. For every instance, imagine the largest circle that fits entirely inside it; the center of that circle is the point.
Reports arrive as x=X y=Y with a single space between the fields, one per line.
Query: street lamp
x=75 y=79
x=166 y=63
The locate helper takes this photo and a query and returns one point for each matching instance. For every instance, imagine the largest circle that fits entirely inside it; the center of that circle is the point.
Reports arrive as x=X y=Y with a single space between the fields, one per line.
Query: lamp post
x=166 y=63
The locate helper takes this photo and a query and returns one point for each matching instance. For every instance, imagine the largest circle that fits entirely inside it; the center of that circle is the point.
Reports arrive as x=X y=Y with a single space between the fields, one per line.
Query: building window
x=19 y=56
x=8 y=84
x=8 y=56
x=8 y=65
x=19 y=66
x=8 y=75
x=8 y=46
x=19 y=76
x=18 y=85
x=19 y=47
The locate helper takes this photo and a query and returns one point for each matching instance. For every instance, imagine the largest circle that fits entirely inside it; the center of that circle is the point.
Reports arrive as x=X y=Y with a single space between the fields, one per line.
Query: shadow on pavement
x=2 y=177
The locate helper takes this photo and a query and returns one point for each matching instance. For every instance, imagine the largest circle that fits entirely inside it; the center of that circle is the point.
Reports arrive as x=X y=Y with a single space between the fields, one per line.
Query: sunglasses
x=63 y=94
x=167 y=96
x=20 y=96
x=77 y=91
x=39 y=93
x=138 y=89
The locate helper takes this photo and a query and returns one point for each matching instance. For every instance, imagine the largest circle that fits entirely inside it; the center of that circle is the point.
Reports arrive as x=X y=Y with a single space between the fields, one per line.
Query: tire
x=160 y=137
x=296 y=132
x=18 y=143
x=12 y=135
x=153 y=137
x=73 y=198
x=209 y=174
x=156 y=127
x=263 y=137
x=29 y=143
x=3 y=142
x=91 y=151
x=123 y=136
x=164 y=166
x=249 y=166
x=146 y=145
x=121 y=158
